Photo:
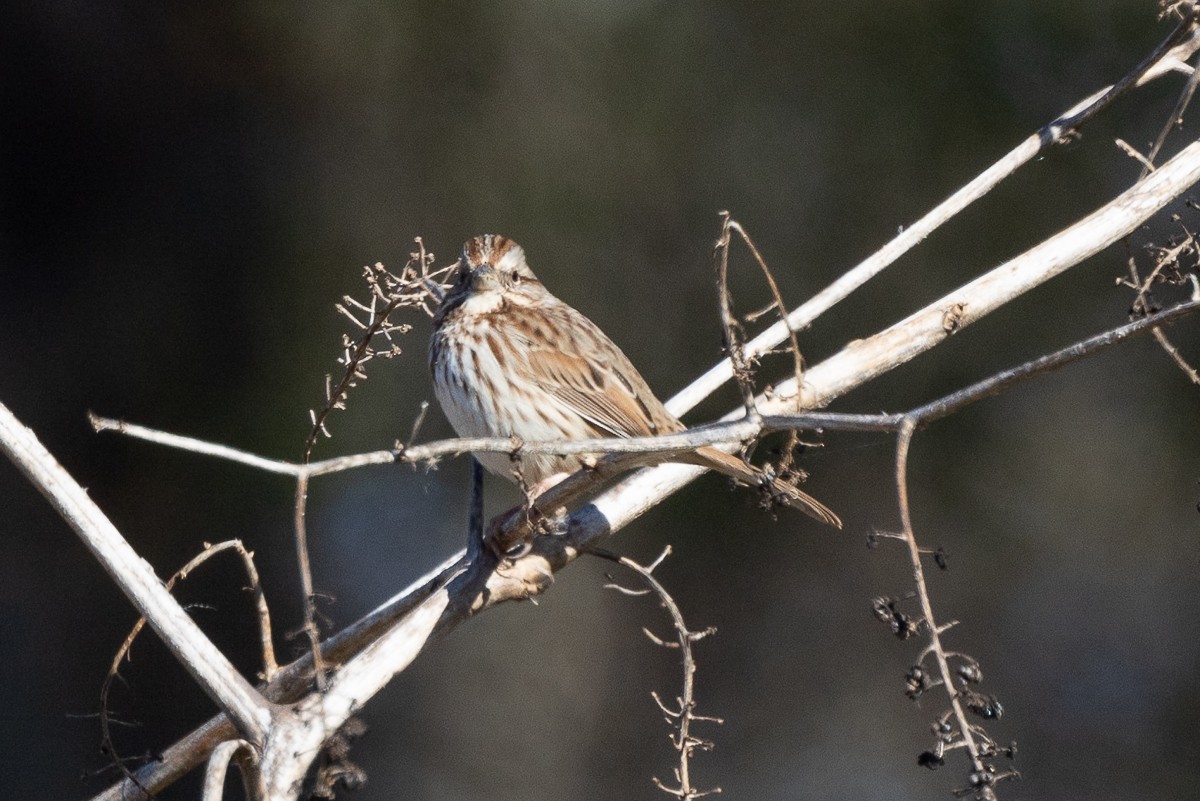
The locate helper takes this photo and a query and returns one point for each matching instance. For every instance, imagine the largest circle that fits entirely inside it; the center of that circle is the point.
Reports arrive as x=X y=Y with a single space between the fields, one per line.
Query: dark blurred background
x=187 y=189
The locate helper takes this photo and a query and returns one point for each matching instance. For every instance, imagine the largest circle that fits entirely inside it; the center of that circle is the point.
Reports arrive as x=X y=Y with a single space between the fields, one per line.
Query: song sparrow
x=510 y=359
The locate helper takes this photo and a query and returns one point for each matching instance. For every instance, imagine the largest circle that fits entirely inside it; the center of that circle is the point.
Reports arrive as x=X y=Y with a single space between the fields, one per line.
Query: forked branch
x=682 y=716
x=208 y=666
x=270 y=666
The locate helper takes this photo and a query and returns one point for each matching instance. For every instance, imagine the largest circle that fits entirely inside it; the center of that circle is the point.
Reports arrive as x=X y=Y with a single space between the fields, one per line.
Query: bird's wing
x=583 y=369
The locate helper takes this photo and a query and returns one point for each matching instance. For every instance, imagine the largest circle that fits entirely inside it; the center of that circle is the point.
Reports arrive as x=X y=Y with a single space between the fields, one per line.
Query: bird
x=509 y=359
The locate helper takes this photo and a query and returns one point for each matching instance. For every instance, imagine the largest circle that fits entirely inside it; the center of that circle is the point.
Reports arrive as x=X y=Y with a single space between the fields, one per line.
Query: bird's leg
x=510 y=533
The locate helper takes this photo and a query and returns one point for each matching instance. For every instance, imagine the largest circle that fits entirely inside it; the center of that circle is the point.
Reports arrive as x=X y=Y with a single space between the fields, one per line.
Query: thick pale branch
x=137 y=580
x=866 y=359
x=1170 y=56
x=321 y=714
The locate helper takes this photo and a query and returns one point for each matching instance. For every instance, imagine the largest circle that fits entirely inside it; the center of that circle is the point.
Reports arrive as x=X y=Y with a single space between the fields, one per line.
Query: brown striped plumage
x=510 y=359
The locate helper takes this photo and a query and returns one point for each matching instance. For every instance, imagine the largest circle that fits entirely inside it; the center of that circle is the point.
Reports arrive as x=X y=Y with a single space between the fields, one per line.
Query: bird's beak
x=484 y=277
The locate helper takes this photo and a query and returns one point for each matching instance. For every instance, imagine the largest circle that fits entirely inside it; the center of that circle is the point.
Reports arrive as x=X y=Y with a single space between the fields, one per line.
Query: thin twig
x=335 y=397
x=682 y=718
x=904 y=441
x=1143 y=305
x=785 y=466
x=1161 y=338
x=270 y=667
x=743 y=374
x=389 y=292
x=193 y=445
x=995 y=384
x=1132 y=152
x=300 y=534
x=780 y=306
x=1174 y=121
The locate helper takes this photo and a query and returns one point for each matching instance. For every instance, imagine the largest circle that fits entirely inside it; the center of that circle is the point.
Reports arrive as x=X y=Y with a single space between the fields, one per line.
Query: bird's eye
x=516 y=277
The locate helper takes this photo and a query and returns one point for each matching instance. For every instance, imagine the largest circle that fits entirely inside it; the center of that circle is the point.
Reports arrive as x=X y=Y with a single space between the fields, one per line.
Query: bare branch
x=309 y=597
x=680 y=719
x=1192 y=374
x=1168 y=268
x=735 y=350
x=779 y=305
x=218 y=766
x=270 y=667
x=466 y=586
x=192 y=445
x=935 y=643
x=1174 y=121
x=414 y=287
x=133 y=575
x=994 y=385
x=1169 y=56
x=866 y=359
x=320 y=715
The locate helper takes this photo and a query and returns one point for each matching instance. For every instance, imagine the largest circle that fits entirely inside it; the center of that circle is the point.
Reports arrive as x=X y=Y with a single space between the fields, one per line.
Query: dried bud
x=917 y=681
x=943 y=729
x=942 y=557
x=986 y=706
x=970 y=673
x=901 y=624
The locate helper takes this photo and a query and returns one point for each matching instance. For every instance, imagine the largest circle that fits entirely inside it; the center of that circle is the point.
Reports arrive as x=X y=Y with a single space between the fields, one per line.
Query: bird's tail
x=737 y=468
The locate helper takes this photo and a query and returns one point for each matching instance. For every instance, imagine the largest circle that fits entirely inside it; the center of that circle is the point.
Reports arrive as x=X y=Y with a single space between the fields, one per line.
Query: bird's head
x=494 y=263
